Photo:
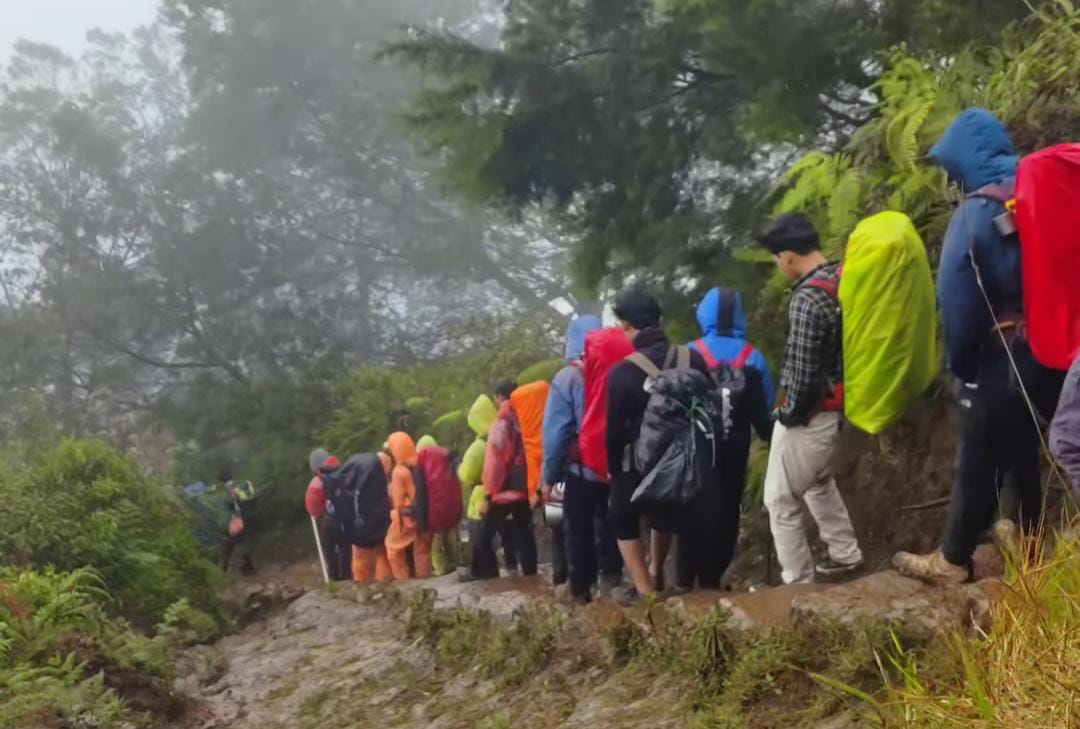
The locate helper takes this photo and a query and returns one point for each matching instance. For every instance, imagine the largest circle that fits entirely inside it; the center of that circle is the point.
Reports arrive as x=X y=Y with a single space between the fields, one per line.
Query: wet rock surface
x=341 y=657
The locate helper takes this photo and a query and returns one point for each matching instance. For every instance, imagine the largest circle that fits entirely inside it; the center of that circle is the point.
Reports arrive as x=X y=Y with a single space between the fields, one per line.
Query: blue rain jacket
x=976 y=151
x=566 y=408
x=723 y=324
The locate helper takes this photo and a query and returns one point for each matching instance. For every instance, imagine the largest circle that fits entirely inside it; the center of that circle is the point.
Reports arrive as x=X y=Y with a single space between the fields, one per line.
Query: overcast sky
x=64 y=22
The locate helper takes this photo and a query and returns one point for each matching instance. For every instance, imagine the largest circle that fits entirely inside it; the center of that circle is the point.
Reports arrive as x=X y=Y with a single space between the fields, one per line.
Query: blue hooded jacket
x=566 y=408
x=976 y=151
x=723 y=325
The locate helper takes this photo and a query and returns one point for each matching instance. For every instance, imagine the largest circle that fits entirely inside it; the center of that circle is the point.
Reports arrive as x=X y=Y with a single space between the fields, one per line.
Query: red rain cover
x=1048 y=216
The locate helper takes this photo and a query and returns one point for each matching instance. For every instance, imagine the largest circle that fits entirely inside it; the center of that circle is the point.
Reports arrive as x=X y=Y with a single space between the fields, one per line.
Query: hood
x=976 y=151
x=481 y=415
x=575 y=334
x=402 y=448
x=426 y=441
x=721 y=313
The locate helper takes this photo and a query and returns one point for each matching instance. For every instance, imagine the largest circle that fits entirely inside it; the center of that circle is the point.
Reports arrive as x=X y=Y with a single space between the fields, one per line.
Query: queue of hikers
x=636 y=430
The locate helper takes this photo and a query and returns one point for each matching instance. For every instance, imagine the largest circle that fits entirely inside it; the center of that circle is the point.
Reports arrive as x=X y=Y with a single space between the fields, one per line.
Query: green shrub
x=60 y=653
x=85 y=505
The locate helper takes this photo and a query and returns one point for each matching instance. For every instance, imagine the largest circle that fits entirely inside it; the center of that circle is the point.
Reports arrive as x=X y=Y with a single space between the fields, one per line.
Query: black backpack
x=733 y=381
x=360 y=499
x=677 y=448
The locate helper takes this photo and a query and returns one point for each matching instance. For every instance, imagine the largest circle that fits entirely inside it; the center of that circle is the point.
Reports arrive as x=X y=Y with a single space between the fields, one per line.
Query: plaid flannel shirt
x=813 y=356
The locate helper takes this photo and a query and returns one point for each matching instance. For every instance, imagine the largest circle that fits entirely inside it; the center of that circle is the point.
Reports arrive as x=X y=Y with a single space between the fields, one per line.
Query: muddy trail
x=507 y=653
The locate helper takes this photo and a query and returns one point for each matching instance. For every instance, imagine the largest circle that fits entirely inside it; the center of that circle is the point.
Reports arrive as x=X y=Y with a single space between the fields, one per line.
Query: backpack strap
x=644 y=364
x=831 y=286
x=682 y=358
x=710 y=359
x=744 y=355
x=997 y=191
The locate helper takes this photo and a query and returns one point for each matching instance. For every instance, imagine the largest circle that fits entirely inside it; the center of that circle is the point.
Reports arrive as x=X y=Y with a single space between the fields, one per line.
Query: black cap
x=791 y=232
x=638 y=308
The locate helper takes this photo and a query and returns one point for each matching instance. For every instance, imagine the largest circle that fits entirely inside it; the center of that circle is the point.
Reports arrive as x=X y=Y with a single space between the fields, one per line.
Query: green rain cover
x=890 y=320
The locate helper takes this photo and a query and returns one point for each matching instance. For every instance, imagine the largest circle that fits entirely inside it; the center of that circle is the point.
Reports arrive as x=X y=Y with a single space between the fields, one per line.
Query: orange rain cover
x=529 y=402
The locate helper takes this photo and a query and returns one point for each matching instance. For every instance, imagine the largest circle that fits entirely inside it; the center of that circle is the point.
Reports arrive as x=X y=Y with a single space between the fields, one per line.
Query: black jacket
x=627 y=397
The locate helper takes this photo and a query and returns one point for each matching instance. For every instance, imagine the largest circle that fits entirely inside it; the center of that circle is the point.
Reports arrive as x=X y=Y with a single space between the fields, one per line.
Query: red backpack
x=438 y=491
x=1046 y=211
x=604 y=348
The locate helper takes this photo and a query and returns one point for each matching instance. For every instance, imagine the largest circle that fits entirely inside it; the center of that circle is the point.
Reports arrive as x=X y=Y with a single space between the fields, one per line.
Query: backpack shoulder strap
x=997 y=191
x=744 y=356
x=643 y=363
x=710 y=359
x=682 y=358
x=828 y=285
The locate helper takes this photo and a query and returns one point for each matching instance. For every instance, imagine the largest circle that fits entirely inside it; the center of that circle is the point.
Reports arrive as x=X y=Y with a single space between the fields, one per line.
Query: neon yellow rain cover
x=426 y=441
x=471 y=469
x=890 y=320
x=482 y=414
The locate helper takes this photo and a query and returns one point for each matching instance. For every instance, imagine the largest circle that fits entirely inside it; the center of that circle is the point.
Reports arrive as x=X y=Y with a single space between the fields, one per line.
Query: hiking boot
x=577 y=598
x=932 y=568
x=627 y=596
x=830 y=569
x=467 y=575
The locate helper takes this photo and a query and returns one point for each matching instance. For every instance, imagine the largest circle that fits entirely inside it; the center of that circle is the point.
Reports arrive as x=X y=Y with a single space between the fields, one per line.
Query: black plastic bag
x=683 y=470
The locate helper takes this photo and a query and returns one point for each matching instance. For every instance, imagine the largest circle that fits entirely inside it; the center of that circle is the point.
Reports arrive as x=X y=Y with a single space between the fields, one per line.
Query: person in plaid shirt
x=800 y=457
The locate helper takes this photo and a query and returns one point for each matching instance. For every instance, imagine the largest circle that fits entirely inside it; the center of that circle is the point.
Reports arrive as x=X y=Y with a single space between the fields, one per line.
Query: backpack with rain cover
x=438 y=491
x=604 y=348
x=886 y=297
x=529 y=402
x=677 y=448
x=1043 y=207
x=358 y=493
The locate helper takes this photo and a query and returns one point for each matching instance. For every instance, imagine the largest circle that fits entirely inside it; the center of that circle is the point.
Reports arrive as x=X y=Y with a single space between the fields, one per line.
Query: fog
x=64 y=23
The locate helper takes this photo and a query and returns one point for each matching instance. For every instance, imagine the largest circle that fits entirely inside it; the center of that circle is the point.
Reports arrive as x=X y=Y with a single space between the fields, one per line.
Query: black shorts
x=625 y=518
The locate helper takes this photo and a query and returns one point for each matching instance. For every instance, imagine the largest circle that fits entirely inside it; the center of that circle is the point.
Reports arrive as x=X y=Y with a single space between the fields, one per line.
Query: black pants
x=338 y=550
x=999 y=443
x=590 y=539
x=560 y=564
x=625 y=517
x=706 y=543
x=516 y=518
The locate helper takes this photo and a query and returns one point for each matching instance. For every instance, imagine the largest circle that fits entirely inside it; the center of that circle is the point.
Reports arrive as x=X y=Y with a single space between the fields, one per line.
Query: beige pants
x=800 y=474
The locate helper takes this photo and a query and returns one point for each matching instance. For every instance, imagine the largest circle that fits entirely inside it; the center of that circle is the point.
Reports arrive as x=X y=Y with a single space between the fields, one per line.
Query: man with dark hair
x=639 y=315
x=803 y=441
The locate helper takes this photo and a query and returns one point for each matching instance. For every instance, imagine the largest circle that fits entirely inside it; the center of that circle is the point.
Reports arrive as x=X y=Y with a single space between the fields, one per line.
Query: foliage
x=60 y=652
x=84 y=505
x=884 y=167
x=432 y=397
x=652 y=128
x=1021 y=674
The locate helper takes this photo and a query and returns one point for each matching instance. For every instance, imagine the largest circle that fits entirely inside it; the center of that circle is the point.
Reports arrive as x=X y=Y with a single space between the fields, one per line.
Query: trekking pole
x=322 y=557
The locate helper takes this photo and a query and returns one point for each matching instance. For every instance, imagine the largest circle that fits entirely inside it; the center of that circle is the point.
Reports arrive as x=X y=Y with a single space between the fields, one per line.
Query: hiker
x=984 y=336
x=583 y=543
x=404 y=537
x=506 y=493
x=706 y=544
x=336 y=546
x=243 y=524
x=639 y=316
x=804 y=438
x=1065 y=430
x=439 y=508
x=481 y=416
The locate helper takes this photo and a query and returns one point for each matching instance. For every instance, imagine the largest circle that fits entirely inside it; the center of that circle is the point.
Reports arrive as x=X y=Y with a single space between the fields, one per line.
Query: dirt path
x=363 y=657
